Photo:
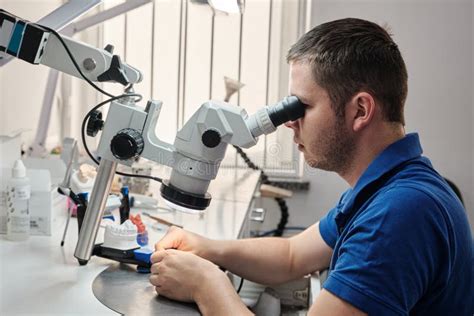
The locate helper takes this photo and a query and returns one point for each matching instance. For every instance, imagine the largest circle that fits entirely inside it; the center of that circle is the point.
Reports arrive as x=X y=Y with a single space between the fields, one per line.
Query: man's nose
x=292 y=124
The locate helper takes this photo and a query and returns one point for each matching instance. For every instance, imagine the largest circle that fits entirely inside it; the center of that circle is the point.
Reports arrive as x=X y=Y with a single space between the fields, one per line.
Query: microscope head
x=201 y=144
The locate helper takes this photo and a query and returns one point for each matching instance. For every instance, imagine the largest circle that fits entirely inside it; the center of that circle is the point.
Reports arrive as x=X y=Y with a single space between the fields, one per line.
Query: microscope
x=129 y=129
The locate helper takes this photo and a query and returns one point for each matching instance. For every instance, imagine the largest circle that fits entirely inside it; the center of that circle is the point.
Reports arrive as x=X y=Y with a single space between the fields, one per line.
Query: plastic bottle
x=18 y=198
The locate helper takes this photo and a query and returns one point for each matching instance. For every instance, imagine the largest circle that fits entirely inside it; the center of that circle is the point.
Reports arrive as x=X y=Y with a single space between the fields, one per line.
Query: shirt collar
x=400 y=151
x=395 y=154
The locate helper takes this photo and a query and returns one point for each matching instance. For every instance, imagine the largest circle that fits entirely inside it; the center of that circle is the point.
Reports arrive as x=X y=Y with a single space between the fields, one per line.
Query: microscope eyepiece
x=288 y=109
x=267 y=119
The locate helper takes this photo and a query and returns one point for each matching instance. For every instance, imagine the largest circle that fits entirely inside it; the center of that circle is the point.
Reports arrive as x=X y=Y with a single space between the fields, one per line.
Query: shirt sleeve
x=390 y=253
x=327 y=225
x=328 y=228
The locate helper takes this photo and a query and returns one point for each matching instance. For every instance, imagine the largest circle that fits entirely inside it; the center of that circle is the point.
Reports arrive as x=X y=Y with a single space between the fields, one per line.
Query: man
x=397 y=243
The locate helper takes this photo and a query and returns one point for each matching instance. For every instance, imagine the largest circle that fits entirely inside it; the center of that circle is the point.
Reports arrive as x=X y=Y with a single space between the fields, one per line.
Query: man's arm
x=254 y=259
x=331 y=305
x=272 y=260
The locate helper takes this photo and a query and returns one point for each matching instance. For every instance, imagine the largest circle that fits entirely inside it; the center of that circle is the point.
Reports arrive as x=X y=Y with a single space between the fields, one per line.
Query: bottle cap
x=19 y=170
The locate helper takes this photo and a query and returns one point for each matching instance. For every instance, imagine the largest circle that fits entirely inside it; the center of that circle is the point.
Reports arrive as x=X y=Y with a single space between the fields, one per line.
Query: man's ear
x=361 y=110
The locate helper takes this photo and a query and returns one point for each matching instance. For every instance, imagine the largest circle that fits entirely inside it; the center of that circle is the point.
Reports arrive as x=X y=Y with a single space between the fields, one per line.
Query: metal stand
x=94 y=212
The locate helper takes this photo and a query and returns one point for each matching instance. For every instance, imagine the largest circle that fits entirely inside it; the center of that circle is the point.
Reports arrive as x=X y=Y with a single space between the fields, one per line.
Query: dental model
x=122 y=237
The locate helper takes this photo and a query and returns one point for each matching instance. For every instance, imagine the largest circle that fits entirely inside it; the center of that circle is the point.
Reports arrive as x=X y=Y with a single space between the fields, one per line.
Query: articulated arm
x=40 y=45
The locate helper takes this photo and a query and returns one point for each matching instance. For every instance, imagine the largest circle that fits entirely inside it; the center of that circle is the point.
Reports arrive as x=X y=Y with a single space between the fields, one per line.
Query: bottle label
x=19 y=193
x=18 y=217
x=18 y=225
x=18 y=208
x=3 y=198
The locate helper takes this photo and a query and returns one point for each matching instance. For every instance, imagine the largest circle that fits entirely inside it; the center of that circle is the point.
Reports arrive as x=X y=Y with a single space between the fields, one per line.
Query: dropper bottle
x=18 y=200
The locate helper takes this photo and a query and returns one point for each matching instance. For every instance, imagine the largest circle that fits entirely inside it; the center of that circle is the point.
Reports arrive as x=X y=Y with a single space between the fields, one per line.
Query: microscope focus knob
x=211 y=138
x=126 y=144
x=95 y=123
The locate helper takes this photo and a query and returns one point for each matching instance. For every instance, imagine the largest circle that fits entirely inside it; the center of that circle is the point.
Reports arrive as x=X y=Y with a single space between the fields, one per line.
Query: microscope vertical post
x=95 y=208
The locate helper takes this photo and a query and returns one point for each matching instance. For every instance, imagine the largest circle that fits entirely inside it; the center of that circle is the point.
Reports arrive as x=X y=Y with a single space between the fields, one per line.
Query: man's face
x=325 y=139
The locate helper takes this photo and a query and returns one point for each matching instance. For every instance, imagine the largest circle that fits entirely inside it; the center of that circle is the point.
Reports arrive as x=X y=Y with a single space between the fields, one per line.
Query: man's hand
x=186 y=277
x=182 y=275
x=177 y=238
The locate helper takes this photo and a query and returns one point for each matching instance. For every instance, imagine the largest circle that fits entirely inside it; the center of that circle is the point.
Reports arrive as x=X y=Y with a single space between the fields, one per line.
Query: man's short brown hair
x=352 y=55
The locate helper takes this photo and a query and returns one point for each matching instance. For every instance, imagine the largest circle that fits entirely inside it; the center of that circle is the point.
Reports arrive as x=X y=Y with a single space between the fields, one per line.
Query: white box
x=43 y=199
x=44 y=196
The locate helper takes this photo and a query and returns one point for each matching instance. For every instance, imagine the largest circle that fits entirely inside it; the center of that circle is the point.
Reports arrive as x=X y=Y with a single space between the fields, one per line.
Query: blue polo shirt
x=401 y=239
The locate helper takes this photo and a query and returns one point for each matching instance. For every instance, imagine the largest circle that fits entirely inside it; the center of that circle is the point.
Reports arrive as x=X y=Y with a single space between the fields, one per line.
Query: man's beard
x=334 y=149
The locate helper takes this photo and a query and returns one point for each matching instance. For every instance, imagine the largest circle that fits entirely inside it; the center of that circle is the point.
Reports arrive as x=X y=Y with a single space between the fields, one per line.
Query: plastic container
x=142 y=238
x=18 y=200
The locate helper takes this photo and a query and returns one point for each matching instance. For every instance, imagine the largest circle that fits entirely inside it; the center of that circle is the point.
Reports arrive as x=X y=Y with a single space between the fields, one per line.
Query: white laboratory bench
x=38 y=276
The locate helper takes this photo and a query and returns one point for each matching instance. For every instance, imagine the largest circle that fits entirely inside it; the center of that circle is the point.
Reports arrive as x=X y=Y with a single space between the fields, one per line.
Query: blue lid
x=143 y=254
x=124 y=190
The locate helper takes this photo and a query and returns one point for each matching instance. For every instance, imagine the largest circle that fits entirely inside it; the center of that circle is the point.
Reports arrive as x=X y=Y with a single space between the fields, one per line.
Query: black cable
x=59 y=37
x=83 y=135
x=240 y=285
x=265 y=180
x=278 y=232
x=112 y=98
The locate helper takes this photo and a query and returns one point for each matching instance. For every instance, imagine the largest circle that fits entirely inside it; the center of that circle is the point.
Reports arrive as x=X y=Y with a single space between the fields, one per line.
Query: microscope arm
x=39 y=45
x=93 y=62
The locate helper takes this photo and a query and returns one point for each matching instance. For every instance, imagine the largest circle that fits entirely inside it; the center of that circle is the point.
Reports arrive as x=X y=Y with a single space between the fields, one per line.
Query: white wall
x=22 y=85
x=436 y=40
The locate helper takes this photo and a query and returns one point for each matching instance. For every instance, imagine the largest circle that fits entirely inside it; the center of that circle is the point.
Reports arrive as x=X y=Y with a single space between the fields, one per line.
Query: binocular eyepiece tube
x=267 y=119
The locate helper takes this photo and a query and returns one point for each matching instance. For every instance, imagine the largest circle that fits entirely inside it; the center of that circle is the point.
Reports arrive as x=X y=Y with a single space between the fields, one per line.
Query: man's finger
x=154 y=268
x=170 y=240
x=158 y=256
x=154 y=280
x=159 y=246
x=158 y=290
x=162 y=291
